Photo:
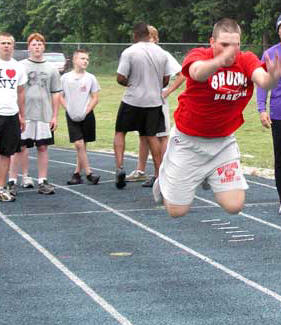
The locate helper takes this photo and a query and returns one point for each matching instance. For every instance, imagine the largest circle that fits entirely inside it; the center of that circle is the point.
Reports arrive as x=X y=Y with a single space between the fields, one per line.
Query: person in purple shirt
x=273 y=120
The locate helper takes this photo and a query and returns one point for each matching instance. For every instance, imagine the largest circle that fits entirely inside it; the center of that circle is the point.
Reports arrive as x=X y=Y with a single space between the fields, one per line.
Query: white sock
x=41 y=180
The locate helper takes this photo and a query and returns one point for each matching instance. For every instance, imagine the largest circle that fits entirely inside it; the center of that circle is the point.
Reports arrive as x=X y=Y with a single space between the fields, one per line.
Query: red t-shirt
x=214 y=108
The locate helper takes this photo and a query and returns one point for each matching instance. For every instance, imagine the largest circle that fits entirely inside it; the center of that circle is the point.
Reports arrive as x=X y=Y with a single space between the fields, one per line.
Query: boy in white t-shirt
x=12 y=122
x=80 y=97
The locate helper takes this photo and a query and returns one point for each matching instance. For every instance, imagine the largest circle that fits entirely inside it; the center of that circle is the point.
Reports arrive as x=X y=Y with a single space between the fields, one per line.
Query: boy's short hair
x=37 y=37
x=6 y=34
x=153 y=33
x=84 y=51
x=141 y=30
x=226 y=25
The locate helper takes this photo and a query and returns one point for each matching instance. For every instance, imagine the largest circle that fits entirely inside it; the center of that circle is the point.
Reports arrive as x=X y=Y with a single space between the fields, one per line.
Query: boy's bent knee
x=176 y=210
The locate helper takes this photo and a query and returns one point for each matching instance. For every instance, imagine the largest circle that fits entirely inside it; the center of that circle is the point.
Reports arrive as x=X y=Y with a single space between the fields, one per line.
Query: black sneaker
x=75 y=179
x=46 y=188
x=149 y=182
x=12 y=188
x=205 y=185
x=93 y=179
x=120 y=178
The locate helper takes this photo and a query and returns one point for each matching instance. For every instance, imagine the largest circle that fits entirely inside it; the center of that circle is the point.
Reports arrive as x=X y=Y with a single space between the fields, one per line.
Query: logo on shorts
x=228 y=173
x=177 y=139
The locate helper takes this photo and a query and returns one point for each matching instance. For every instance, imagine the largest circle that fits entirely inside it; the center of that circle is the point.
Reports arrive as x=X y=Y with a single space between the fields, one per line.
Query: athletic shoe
x=205 y=185
x=46 y=188
x=27 y=182
x=12 y=188
x=93 y=179
x=75 y=179
x=149 y=182
x=120 y=177
x=6 y=196
x=136 y=176
x=158 y=198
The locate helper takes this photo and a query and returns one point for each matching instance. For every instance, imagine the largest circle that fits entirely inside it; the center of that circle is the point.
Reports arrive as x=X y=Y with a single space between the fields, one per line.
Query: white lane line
x=72 y=164
x=241 y=240
x=262 y=184
x=211 y=220
x=81 y=212
x=225 y=228
x=221 y=224
x=175 y=243
x=236 y=231
x=74 y=278
x=242 y=236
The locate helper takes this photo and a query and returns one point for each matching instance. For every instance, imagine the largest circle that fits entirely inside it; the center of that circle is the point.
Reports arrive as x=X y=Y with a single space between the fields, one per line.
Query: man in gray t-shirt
x=143 y=69
x=41 y=108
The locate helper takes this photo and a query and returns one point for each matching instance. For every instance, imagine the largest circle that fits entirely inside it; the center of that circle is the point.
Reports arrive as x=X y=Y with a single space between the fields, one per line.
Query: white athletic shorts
x=166 y=113
x=189 y=160
x=36 y=132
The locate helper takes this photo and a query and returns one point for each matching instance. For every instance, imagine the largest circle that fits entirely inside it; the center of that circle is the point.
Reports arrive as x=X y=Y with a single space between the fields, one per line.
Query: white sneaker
x=136 y=176
x=27 y=182
x=158 y=198
x=279 y=211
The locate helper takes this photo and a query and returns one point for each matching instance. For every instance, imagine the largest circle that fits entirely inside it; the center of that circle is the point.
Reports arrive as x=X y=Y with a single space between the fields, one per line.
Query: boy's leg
x=5 y=164
x=143 y=153
x=155 y=148
x=42 y=161
x=231 y=201
x=82 y=158
x=138 y=174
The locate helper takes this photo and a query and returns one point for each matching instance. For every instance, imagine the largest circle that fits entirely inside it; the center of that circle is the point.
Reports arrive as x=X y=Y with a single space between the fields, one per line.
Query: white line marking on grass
x=74 y=278
x=175 y=243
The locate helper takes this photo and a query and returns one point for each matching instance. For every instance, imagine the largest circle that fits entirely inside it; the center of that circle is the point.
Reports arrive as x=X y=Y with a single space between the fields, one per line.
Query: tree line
x=112 y=20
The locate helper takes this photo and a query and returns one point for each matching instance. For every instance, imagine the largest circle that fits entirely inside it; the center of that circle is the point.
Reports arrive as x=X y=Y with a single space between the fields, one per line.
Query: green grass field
x=255 y=142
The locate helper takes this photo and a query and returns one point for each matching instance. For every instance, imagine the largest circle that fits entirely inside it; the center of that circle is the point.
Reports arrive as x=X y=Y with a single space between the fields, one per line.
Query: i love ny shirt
x=12 y=75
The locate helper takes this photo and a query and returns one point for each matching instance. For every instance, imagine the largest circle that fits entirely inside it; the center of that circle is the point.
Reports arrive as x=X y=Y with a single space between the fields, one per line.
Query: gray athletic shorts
x=189 y=160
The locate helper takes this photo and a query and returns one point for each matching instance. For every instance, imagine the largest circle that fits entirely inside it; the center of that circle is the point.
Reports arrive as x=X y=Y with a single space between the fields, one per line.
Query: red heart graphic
x=10 y=73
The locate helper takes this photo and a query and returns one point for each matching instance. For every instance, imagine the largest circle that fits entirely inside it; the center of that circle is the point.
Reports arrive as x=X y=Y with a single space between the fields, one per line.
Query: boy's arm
x=62 y=100
x=180 y=78
x=21 y=99
x=93 y=102
x=55 y=106
x=269 y=79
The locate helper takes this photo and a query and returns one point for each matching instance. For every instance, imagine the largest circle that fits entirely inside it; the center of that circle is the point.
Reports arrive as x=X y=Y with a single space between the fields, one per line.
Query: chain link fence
x=105 y=56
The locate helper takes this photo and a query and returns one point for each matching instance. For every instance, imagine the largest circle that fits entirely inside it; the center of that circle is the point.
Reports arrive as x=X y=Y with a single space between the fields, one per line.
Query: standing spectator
x=220 y=83
x=143 y=69
x=274 y=119
x=41 y=106
x=80 y=97
x=174 y=69
x=12 y=120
